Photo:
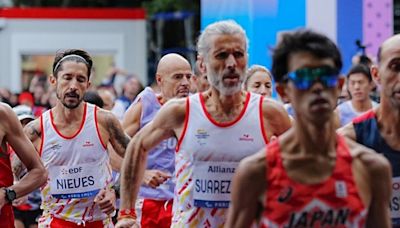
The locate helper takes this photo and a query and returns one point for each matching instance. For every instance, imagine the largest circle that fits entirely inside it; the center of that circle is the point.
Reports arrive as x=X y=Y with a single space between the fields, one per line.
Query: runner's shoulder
x=371 y=160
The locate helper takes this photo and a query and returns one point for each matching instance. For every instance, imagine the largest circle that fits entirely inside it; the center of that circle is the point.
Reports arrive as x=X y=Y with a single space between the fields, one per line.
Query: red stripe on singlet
x=184 y=186
x=194 y=214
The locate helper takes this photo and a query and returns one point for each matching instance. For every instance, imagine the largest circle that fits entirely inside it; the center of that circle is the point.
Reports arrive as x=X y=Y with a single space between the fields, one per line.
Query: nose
x=317 y=87
x=73 y=85
x=185 y=81
x=231 y=62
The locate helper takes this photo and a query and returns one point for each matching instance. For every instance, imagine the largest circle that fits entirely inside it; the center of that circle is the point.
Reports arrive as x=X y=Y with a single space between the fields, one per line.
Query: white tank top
x=78 y=168
x=208 y=154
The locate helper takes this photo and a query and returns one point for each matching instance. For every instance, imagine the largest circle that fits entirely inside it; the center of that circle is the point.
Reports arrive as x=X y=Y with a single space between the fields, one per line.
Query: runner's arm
x=131 y=121
x=168 y=119
x=26 y=152
x=347 y=131
x=115 y=159
x=33 y=131
x=276 y=118
x=117 y=137
x=249 y=184
x=381 y=185
x=131 y=125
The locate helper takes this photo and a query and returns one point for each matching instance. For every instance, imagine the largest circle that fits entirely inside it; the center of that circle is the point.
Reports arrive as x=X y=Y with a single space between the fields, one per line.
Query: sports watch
x=10 y=195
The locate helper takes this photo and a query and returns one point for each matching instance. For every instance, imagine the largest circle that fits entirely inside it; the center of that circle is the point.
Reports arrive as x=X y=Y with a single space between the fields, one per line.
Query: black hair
x=302 y=40
x=360 y=68
x=93 y=97
x=58 y=59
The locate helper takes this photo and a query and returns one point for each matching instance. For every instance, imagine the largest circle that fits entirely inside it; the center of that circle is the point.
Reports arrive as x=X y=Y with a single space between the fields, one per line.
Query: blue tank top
x=367 y=134
x=162 y=157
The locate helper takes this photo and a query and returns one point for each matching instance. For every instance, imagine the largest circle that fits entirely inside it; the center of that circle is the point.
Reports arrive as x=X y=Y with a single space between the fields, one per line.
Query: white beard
x=216 y=82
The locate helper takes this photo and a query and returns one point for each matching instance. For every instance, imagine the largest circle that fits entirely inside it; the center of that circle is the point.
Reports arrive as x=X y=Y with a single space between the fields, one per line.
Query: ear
x=281 y=89
x=89 y=83
x=52 y=80
x=375 y=74
x=193 y=78
x=158 y=79
x=341 y=82
x=201 y=65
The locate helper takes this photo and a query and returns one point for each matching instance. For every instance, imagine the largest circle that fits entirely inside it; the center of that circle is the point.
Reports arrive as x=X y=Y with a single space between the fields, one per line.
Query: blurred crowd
x=40 y=96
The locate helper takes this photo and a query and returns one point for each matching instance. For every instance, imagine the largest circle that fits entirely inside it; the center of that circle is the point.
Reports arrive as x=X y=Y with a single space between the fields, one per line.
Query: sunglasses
x=304 y=78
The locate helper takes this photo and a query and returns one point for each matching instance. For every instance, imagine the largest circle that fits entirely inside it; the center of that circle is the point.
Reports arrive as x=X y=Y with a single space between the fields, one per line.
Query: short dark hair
x=93 y=97
x=302 y=40
x=75 y=56
x=360 y=68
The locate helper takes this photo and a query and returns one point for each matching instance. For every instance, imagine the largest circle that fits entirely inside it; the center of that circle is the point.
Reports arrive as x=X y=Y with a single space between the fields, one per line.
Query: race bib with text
x=395 y=201
x=212 y=183
x=79 y=181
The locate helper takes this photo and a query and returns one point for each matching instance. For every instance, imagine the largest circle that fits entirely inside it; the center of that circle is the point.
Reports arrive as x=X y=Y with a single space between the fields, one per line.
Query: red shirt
x=6 y=179
x=334 y=202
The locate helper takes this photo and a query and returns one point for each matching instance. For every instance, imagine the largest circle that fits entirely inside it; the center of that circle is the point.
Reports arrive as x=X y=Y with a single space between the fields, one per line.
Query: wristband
x=127 y=213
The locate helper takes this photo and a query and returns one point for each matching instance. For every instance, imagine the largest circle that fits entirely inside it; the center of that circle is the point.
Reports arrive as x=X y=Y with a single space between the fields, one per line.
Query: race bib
x=80 y=181
x=395 y=201
x=212 y=183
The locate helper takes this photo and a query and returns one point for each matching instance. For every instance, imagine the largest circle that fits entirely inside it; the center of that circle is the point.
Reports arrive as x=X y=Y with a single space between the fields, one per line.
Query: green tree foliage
x=156 y=6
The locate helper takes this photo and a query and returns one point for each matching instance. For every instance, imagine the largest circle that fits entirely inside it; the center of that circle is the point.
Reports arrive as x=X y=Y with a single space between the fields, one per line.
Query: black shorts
x=27 y=217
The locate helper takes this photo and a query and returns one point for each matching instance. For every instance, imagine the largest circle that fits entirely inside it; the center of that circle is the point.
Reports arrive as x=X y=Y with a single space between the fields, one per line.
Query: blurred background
x=127 y=37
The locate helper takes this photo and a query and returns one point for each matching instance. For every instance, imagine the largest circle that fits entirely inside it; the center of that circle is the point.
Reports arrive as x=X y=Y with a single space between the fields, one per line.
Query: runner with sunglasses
x=310 y=176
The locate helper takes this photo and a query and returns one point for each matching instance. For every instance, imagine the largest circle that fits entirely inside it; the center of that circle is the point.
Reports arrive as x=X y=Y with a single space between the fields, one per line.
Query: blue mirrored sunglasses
x=304 y=78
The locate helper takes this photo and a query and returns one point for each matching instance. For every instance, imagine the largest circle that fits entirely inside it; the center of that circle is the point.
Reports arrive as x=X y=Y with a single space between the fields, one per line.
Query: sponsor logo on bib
x=212 y=183
x=80 y=181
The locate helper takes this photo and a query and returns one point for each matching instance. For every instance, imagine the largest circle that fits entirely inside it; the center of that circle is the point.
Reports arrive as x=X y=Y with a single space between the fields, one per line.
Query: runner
x=72 y=139
x=258 y=80
x=216 y=129
x=12 y=135
x=154 y=204
x=26 y=209
x=310 y=176
x=379 y=128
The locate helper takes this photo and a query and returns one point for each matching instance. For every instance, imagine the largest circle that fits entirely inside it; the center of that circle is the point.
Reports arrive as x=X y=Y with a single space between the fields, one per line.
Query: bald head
x=392 y=44
x=170 y=63
x=173 y=75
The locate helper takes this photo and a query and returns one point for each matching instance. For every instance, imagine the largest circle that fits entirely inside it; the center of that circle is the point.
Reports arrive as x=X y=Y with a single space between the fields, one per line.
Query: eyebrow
x=394 y=59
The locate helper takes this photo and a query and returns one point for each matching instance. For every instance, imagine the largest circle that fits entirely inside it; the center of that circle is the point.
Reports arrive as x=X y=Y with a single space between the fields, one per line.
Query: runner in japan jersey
x=334 y=202
x=78 y=169
x=208 y=154
x=367 y=133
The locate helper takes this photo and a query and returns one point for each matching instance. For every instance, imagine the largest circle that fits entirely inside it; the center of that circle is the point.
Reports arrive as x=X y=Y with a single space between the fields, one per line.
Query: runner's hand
x=127 y=223
x=106 y=200
x=20 y=201
x=153 y=178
